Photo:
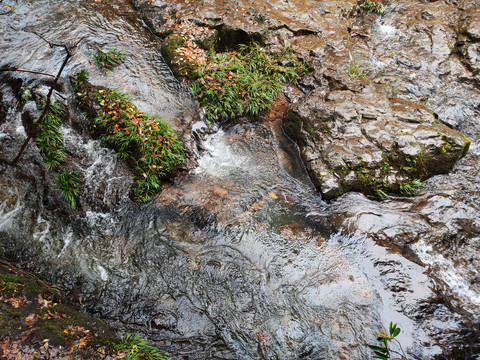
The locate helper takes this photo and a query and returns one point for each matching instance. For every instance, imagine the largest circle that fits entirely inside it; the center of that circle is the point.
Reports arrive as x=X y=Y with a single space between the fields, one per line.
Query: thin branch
x=45 y=108
x=401 y=348
x=16 y=68
x=50 y=92
x=47 y=104
x=27 y=274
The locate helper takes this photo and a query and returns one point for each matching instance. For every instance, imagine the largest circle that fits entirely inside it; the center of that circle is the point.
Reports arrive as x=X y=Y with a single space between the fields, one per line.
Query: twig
x=401 y=348
x=53 y=289
x=49 y=95
x=16 y=68
x=50 y=92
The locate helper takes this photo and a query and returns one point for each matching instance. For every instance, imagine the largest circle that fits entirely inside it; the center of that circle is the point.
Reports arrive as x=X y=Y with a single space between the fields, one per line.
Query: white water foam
x=43 y=227
x=219 y=159
x=6 y=217
x=448 y=272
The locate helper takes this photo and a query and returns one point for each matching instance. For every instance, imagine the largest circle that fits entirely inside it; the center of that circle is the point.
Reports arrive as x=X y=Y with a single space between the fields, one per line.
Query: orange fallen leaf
x=258 y=204
x=272 y=195
x=30 y=319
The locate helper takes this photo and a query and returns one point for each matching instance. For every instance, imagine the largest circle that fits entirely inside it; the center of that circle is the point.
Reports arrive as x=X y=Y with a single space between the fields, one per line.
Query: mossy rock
x=181 y=67
x=33 y=313
x=373 y=144
x=229 y=38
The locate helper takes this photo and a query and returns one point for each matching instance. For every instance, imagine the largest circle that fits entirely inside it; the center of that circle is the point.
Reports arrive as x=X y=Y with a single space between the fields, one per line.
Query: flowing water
x=240 y=259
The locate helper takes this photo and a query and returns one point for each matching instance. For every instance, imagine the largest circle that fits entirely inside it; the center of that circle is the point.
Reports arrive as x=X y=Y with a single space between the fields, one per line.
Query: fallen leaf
x=258 y=204
x=30 y=319
x=272 y=195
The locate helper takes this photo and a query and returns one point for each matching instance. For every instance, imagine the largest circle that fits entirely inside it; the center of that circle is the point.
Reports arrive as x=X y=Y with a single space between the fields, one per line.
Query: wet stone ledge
x=368 y=142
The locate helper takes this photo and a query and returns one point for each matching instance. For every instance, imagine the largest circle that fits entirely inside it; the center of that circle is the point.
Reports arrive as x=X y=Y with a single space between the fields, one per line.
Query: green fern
x=67 y=181
x=50 y=139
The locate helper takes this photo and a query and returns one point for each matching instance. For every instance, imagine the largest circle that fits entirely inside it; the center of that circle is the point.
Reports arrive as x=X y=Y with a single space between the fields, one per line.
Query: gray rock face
x=362 y=122
x=468 y=44
x=366 y=141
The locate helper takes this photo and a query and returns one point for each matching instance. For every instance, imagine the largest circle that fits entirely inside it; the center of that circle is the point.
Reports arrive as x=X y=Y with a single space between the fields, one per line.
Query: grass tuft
x=138 y=348
x=146 y=142
x=411 y=187
x=108 y=60
x=354 y=71
x=50 y=139
x=244 y=82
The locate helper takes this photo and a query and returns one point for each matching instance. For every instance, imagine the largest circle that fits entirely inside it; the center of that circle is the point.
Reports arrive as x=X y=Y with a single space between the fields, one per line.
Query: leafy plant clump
x=244 y=82
x=148 y=143
x=354 y=71
x=67 y=181
x=385 y=350
x=411 y=187
x=50 y=139
x=373 y=7
x=50 y=144
x=138 y=348
x=108 y=60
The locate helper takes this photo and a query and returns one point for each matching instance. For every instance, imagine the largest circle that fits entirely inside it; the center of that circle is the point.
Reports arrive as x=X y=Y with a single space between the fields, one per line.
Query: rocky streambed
x=242 y=257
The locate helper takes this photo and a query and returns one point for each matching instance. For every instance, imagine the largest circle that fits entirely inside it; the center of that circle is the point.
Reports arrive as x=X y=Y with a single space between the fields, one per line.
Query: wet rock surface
x=355 y=130
x=468 y=39
x=241 y=259
x=365 y=141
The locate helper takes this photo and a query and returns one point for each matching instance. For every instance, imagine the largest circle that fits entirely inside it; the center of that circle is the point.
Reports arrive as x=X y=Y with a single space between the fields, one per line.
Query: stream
x=241 y=258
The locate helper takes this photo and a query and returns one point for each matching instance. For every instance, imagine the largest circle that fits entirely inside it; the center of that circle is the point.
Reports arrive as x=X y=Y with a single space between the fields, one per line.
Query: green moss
x=444 y=147
x=365 y=179
x=342 y=172
x=181 y=67
x=10 y=282
x=232 y=39
x=311 y=131
x=414 y=167
x=73 y=334
x=207 y=43
x=466 y=145
x=109 y=342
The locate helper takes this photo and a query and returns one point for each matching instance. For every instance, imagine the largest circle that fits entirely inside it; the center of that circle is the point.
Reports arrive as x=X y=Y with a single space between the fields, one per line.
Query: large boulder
x=368 y=142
